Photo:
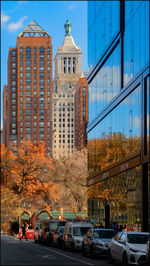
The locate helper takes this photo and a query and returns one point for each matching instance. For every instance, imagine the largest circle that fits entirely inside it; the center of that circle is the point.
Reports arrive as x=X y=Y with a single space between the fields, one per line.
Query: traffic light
x=74 y=210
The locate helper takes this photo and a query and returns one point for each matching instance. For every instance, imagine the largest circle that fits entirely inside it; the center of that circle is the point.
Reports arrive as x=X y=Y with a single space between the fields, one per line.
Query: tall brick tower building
x=30 y=88
x=81 y=113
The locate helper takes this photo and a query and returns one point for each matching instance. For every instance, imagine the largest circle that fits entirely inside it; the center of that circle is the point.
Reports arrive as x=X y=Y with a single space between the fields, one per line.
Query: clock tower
x=68 y=62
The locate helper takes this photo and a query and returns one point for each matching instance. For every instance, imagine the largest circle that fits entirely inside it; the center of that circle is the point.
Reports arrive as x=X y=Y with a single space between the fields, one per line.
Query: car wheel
x=124 y=259
x=64 y=246
x=83 y=250
x=73 y=247
x=110 y=259
x=92 y=252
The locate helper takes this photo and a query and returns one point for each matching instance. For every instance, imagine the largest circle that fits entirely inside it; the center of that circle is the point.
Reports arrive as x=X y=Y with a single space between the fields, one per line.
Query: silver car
x=96 y=241
x=129 y=248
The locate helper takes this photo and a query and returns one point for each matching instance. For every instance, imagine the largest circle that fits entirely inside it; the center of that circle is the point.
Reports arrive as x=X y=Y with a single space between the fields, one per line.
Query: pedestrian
x=23 y=232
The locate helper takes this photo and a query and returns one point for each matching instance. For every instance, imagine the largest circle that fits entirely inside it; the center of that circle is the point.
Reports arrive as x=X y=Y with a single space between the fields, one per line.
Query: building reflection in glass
x=117 y=135
x=123 y=193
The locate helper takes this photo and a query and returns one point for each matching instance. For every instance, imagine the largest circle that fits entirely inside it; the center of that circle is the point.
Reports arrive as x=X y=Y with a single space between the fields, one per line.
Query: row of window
x=28 y=63
x=63 y=125
x=63 y=141
x=28 y=75
x=28 y=56
x=29 y=124
x=28 y=68
x=63 y=120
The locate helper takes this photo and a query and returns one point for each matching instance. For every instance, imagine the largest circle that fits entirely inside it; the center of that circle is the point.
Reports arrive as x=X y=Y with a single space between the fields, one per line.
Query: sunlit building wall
x=118 y=129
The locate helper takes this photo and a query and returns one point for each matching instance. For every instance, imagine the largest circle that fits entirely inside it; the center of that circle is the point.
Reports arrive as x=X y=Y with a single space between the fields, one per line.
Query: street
x=16 y=252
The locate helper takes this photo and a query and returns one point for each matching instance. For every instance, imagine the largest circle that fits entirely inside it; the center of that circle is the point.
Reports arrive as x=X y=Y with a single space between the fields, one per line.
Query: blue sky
x=51 y=16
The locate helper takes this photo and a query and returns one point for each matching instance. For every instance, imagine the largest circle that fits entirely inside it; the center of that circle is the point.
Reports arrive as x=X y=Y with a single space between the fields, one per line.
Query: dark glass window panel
x=118 y=134
x=41 y=50
x=106 y=84
x=28 y=50
x=13 y=52
x=136 y=38
x=101 y=27
x=28 y=62
x=28 y=56
x=148 y=113
x=42 y=63
x=34 y=49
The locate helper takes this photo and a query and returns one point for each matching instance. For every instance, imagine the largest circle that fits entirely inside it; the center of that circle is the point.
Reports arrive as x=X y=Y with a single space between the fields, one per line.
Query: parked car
x=96 y=241
x=148 y=251
x=48 y=230
x=128 y=248
x=37 y=231
x=58 y=236
x=74 y=233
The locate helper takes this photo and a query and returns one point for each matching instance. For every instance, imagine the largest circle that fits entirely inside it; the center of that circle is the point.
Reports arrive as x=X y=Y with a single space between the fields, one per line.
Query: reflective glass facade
x=119 y=107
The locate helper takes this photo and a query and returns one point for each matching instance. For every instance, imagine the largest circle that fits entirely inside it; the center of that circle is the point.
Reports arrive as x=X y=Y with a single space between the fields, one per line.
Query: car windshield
x=137 y=238
x=80 y=231
x=104 y=234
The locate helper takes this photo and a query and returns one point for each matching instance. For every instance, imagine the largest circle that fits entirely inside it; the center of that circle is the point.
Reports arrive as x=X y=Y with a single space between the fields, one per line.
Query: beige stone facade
x=68 y=62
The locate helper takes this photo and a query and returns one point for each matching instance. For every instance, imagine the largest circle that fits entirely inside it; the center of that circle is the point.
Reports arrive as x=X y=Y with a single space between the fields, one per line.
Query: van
x=74 y=233
x=38 y=230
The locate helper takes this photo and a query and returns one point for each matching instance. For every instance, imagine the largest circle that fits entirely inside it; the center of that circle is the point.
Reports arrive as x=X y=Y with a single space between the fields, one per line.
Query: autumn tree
x=70 y=175
x=29 y=179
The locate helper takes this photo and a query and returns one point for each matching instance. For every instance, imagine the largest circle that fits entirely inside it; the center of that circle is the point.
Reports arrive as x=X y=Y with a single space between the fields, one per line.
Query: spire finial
x=67 y=28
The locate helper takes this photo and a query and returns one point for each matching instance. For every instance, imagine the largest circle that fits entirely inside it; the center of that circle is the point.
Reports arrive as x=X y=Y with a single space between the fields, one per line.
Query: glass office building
x=119 y=102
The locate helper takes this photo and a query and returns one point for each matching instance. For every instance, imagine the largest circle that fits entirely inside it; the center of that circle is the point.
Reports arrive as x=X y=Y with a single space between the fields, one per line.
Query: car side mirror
x=121 y=241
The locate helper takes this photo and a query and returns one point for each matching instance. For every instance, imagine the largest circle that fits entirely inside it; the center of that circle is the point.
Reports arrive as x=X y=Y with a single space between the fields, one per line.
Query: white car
x=128 y=248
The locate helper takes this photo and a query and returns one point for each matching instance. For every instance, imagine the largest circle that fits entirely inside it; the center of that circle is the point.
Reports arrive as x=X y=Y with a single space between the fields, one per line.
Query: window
x=13 y=83
x=42 y=105
x=42 y=117
x=28 y=80
x=21 y=50
x=28 y=124
x=14 y=77
x=42 y=80
x=42 y=87
x=41 y=99
x=28 y=50
x=21 y=81
x=42 y=63
x=21 y=69
x=42 y=93
x=13 y=71
x=28 y=117
x=34 y=50
x=28 y=62
x=21 y=56
x=28 y=129
x=28 y=87
x=48 y=50
x=48 y=68
x=34 y=56
x=42 y=68
x=21 y=63
x=41 y=50
x=28 y=99
x=13 y=64
x=13 y=113
x=28 y=93
x=13 y=101
x=13 y=59
x=13 y=107
x=28 y=56
x=13 y=52
x=28 y=75
x=35 y=68
x=28 y=68
x=41 y=56
x=13 y=131
x=42 y=124
x=13 y=95
x=42 y=75
x=13 y=119
x=28 y=105
x=48 y=62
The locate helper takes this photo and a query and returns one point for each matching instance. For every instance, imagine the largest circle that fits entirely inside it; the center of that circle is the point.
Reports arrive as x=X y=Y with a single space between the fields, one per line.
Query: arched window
x=13 y=52
x=28 y=50
x=21 y=50
x=41 y=50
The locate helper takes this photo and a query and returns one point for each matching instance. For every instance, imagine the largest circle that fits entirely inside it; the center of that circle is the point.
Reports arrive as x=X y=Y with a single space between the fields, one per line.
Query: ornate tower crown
x=67 y=28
